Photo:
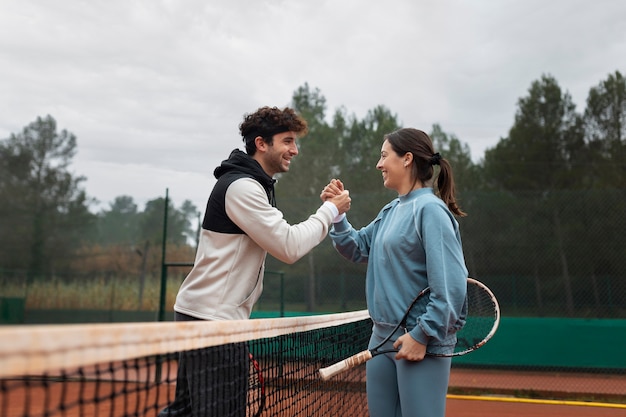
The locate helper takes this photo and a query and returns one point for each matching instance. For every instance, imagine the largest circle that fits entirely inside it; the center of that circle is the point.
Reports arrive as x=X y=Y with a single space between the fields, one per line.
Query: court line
x=534 y=401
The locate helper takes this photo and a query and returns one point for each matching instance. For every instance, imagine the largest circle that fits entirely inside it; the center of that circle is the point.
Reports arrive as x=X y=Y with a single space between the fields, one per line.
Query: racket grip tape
x=344 y=365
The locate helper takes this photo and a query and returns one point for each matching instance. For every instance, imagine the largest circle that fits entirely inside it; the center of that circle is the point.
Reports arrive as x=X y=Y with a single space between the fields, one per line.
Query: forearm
x=247 y=206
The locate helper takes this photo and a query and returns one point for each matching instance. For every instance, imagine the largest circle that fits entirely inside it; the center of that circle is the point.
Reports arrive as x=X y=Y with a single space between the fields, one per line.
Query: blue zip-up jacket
x=414 y=242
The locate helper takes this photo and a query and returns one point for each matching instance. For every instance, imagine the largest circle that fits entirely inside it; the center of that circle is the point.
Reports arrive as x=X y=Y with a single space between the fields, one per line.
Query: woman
x=414 y=242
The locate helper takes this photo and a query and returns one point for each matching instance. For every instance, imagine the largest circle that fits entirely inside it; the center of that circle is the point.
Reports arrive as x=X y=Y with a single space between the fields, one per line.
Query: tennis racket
x=482 y=320
x=256 y=389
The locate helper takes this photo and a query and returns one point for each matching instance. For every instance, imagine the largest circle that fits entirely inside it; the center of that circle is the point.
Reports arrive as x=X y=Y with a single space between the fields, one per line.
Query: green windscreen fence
x=555 y=343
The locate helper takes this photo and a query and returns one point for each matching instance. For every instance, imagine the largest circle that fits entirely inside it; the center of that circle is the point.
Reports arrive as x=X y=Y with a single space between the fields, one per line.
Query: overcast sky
x=155 y=90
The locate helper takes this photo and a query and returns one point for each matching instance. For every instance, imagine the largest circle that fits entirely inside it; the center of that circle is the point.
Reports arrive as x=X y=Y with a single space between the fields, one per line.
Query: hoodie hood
x=239 y=162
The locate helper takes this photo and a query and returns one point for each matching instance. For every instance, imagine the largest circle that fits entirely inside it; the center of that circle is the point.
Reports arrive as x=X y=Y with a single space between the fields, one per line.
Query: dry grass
x=120 y=294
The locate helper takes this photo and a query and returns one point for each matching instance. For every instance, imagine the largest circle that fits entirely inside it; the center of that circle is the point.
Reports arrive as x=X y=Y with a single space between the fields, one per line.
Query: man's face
x=277 y=157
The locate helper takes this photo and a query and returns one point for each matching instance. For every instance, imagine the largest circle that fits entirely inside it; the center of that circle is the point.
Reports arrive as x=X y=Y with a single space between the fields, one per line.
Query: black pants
x=211 y=382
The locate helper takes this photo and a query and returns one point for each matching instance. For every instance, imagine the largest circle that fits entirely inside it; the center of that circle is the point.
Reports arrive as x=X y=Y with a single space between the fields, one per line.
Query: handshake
x=336 y=194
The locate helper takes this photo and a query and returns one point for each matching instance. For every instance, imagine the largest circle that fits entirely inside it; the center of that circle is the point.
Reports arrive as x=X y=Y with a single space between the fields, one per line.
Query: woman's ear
x=408 y=159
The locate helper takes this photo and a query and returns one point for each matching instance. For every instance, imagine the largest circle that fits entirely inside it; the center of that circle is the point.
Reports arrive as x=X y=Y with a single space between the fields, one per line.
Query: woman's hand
x=410 y=349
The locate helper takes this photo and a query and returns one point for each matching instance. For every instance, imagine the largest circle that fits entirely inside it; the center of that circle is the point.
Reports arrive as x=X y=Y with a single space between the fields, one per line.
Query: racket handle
x=345 y=364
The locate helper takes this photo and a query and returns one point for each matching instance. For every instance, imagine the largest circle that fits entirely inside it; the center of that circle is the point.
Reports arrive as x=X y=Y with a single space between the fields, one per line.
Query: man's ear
x=260 y=143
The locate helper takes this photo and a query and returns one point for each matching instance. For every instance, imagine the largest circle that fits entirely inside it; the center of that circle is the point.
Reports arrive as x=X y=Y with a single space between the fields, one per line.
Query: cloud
x=155 y=90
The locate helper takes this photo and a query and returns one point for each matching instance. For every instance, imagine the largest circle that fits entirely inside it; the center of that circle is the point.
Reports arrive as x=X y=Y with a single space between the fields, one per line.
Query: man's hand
x=341 y=201
x=334 y=188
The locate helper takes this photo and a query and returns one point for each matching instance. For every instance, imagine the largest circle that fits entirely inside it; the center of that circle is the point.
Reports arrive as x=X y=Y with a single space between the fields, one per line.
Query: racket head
x=481 y=323
x=482 y=320
x=256 y=389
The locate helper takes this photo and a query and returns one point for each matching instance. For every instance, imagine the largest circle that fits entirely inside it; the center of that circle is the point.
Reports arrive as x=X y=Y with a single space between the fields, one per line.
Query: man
x=241 y=225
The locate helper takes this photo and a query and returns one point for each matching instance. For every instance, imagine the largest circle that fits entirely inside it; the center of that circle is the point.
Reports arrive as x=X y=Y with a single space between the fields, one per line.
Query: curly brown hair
x=268 y=121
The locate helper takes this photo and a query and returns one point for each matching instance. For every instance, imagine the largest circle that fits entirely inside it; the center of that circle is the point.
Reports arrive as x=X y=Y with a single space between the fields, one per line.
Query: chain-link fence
x=557 y=264
x=559 y=254
x=555 y=260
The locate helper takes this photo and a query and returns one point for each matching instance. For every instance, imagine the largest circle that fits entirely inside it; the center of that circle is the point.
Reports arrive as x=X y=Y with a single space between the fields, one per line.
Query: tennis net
x=259 y=367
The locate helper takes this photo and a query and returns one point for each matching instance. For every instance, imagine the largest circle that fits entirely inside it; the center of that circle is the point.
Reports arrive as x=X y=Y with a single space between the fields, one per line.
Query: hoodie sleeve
x=248 y=207
x=447 y=275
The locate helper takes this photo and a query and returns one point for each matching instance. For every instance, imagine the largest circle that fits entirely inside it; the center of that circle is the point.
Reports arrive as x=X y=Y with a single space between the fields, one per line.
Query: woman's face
x=395 y=169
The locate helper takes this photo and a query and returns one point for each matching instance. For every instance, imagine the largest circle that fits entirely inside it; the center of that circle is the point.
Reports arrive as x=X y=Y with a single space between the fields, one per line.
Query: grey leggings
x=401 y=388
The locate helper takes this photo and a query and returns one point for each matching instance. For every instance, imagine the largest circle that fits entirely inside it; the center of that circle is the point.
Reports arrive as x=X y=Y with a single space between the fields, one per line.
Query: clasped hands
x=336 y=194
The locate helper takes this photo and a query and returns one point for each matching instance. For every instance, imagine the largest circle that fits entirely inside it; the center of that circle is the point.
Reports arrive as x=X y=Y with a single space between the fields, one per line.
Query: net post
x=161 y=317
x=282 y=294
x=163 y=266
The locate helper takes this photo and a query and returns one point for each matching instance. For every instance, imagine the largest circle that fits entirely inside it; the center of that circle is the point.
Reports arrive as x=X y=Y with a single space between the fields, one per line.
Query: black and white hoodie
x=241 y=225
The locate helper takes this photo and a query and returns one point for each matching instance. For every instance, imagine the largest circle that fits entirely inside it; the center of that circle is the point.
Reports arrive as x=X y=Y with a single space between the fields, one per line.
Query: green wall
x=554 y=342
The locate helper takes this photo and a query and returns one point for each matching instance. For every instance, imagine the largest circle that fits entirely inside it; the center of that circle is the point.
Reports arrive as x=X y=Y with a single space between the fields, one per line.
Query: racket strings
x=481 y=321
